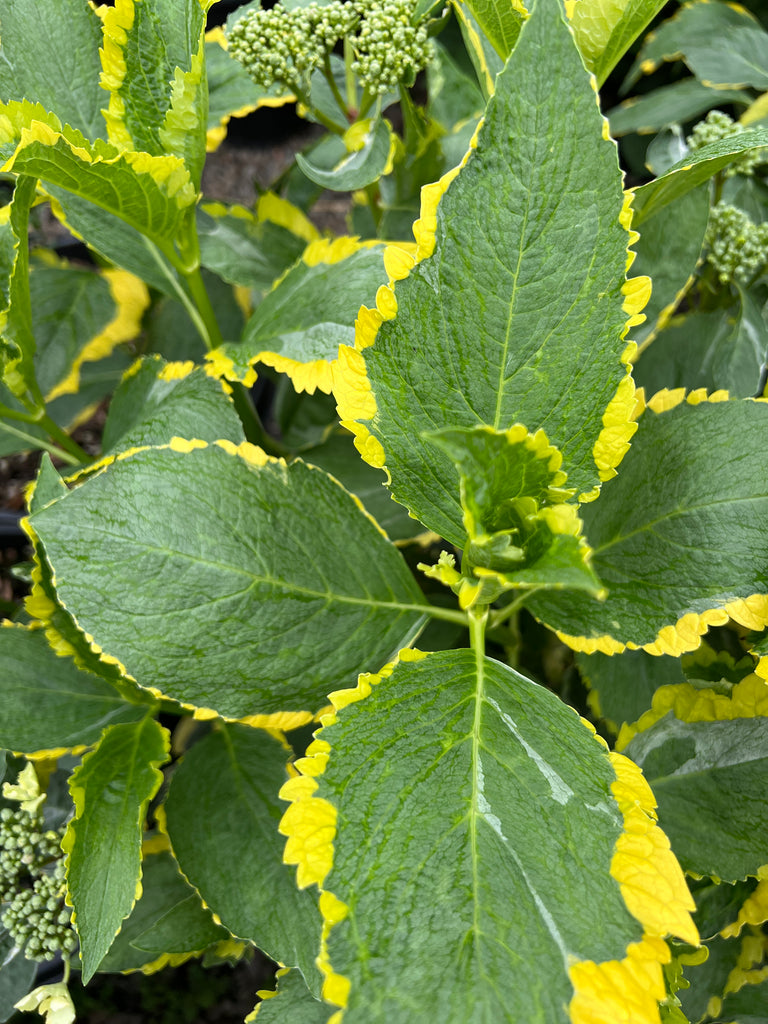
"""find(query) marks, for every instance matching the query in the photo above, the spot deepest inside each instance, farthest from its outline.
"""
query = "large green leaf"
(679, 537)
(697, 22)
(721, 348)
(736, 57)
(169, 921)
(748, 1004)
(476, 830)
(696, 168)
(152, 194)
(300, 324)
(47, 702)
(337, 456)
(668, 251)
(223, 811)
(605, 29)
(111, 790)
(49, 54)
(507, 322)
(292, 1004)
(674, 103)
(710, 780)
(17, 340)
(500, 23)
(249, 618)
(157, 401)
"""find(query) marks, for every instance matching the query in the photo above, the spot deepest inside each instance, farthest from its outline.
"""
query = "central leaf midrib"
(327, 595)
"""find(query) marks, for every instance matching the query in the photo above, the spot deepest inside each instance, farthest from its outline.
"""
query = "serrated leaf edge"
(747, 699)
(650, 879)
(116, 22)
(685, 634)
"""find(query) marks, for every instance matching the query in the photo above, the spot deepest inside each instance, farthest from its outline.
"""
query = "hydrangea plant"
(291, 712)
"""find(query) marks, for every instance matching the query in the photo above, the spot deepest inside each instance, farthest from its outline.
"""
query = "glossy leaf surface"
(489, 338)
(709, 779)
(677, 102)
(356, 169)
(476, 832)
(111, 790)
(223, 811)
(500, 23)
(680, 530)
(47, 702)
(240, 546)
(605, 29)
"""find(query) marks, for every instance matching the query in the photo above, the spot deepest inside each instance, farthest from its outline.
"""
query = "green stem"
(365, 103)
(37, 442)
(330, 79)
(252, 426)
(446, 614)
(477, 620)
(211, 334)
(63, 439)
(502, 614)
(180, 293)
(349, 75)
(326, 122)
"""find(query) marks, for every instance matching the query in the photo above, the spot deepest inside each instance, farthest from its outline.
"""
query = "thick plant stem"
(328, 73)
(477, 620)
(37, 442)
(212, 334)
(252, 425)
(71, 449)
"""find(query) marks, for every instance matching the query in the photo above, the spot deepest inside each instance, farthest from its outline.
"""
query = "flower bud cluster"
(738, 248)
(282, 46)
(32, 886)
(718, 125)
(389, 48)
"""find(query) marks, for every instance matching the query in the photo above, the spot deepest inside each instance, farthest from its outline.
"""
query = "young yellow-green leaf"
(212, 560)
(477, 823)
(153, 194)
(111, 790)
(622, 685)
(696, 168)
(222, 812)
(500, 23)
(720, 348)
(17, 340)
(710, 780)
(47, 703)
(158, 400)
(310, 312)
(251, 249)
(605, 29)
(668, 251)
(507, 322)
(144, 44)
(292, 1003)
(168, 923)
(696, 22)
(356, 169)
(675, 103)
(681, 531)
(49, 54)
